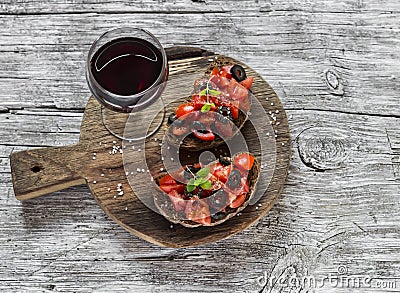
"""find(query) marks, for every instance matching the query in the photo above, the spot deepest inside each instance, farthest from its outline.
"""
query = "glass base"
(137, 125)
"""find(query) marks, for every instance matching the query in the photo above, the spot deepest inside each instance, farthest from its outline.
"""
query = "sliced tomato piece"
(244, 161)
(248, 82)
(234, 106)
(238, 201)
(236, 91)
(167, 180)
(198, 211)
(198, 102)
(206, 135)
(223, 173)
(177, 201)
(225, 74)
(215, 167)
(227, 68)
(214, 72)
(168, 188)
(184, 109)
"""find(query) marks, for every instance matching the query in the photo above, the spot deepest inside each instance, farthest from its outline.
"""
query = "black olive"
(225, 114)
(234, 179)
(238, 73)
(197, 125)
(171, 118)
(224, 161)
(217, 201)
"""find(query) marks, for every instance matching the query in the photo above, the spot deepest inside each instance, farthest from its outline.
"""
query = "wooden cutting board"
(42, 171)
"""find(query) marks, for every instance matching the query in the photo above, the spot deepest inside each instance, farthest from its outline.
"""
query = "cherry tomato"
(197, 211)
(168, 188)
(206, 135)
(223, 173)
(183, 110)
(238, 201)
(177, 201)
(167, 180)
(244, 161)
(248, 82)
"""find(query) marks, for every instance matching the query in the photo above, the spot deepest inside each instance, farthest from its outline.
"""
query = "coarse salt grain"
(172, 226)
(126, 208)
(108, 189)
(172, 159)
(138, 170)
(272, 104)
(143, 171)
(121, 193)
(139, 150)
(102, 175)
(161, 169)
(94, 182)
(119, 184)
(114, 142)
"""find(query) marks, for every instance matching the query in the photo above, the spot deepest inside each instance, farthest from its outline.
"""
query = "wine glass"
(126, 71)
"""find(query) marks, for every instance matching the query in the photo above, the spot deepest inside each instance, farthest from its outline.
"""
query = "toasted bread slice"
(166, 208)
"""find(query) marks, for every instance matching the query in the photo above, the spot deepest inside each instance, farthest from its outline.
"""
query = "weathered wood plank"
(345, 216)
(326, 57)
(313, 60)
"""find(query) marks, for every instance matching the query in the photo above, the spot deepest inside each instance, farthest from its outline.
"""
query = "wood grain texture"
(335, 64)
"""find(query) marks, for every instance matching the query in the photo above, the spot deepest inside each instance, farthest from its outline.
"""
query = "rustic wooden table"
(335, 65)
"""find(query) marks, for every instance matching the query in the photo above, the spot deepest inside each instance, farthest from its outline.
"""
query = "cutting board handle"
(41, 171)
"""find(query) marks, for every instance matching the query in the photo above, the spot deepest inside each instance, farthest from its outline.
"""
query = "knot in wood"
(333, 82)
(323, 148)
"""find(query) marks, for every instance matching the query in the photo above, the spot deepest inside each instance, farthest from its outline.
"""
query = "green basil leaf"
(203, 92)
(203, 172)
(206, 185)
(190, 188)
(191, 181)
(206, 107)
(214, 92)
(200, 181)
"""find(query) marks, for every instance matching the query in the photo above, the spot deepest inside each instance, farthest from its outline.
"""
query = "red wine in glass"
(126, 72)
(126, 66)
